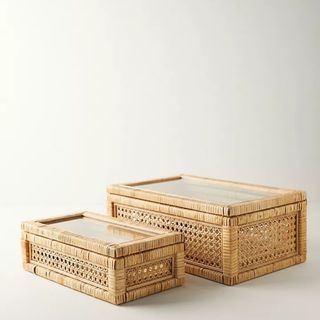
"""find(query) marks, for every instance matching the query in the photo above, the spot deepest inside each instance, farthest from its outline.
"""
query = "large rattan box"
(233, 231)
(102, 257)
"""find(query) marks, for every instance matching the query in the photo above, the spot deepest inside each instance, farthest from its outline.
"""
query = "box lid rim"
(160, 238)
(283, 197)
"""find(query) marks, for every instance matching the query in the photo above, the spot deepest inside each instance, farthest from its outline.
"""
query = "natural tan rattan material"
(225, 243)
(114, 272)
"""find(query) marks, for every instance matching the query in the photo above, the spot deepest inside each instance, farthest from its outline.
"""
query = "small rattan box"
(233, 231)
(103, 257)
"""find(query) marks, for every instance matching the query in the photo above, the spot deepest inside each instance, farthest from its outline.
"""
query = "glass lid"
(100, 230)
(207, 190)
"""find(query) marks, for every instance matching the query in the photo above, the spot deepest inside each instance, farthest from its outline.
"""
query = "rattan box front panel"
(92, 273)
(203, 242)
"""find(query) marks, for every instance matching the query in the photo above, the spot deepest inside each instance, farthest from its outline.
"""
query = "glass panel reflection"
(206, 191)
(99, 230)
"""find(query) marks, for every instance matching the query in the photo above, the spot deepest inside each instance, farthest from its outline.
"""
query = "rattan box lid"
(98, 233)
(220, 197)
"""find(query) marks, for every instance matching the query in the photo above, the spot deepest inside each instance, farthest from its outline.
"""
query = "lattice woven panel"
(149, 272)
(70, 265)
(203, 242)
(267, 241)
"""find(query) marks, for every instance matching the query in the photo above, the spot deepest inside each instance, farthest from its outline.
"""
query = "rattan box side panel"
(203, 241)
(153, 266)
(274, 241)
(268, 240)
(151, 271)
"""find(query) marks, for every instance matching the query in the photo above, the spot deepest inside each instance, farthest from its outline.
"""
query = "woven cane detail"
(149, 272)
(263, 242)
(70, 265)
(203, 242)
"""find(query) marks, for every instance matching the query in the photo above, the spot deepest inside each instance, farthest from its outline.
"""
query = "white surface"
(292, 293)
(98, 92)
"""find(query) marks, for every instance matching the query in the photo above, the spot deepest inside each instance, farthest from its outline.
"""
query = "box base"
(244, 276)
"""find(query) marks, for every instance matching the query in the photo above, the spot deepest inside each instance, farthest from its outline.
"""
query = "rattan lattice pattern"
(149, 272)
(266, 241)
(203, 242)
(70, 265)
